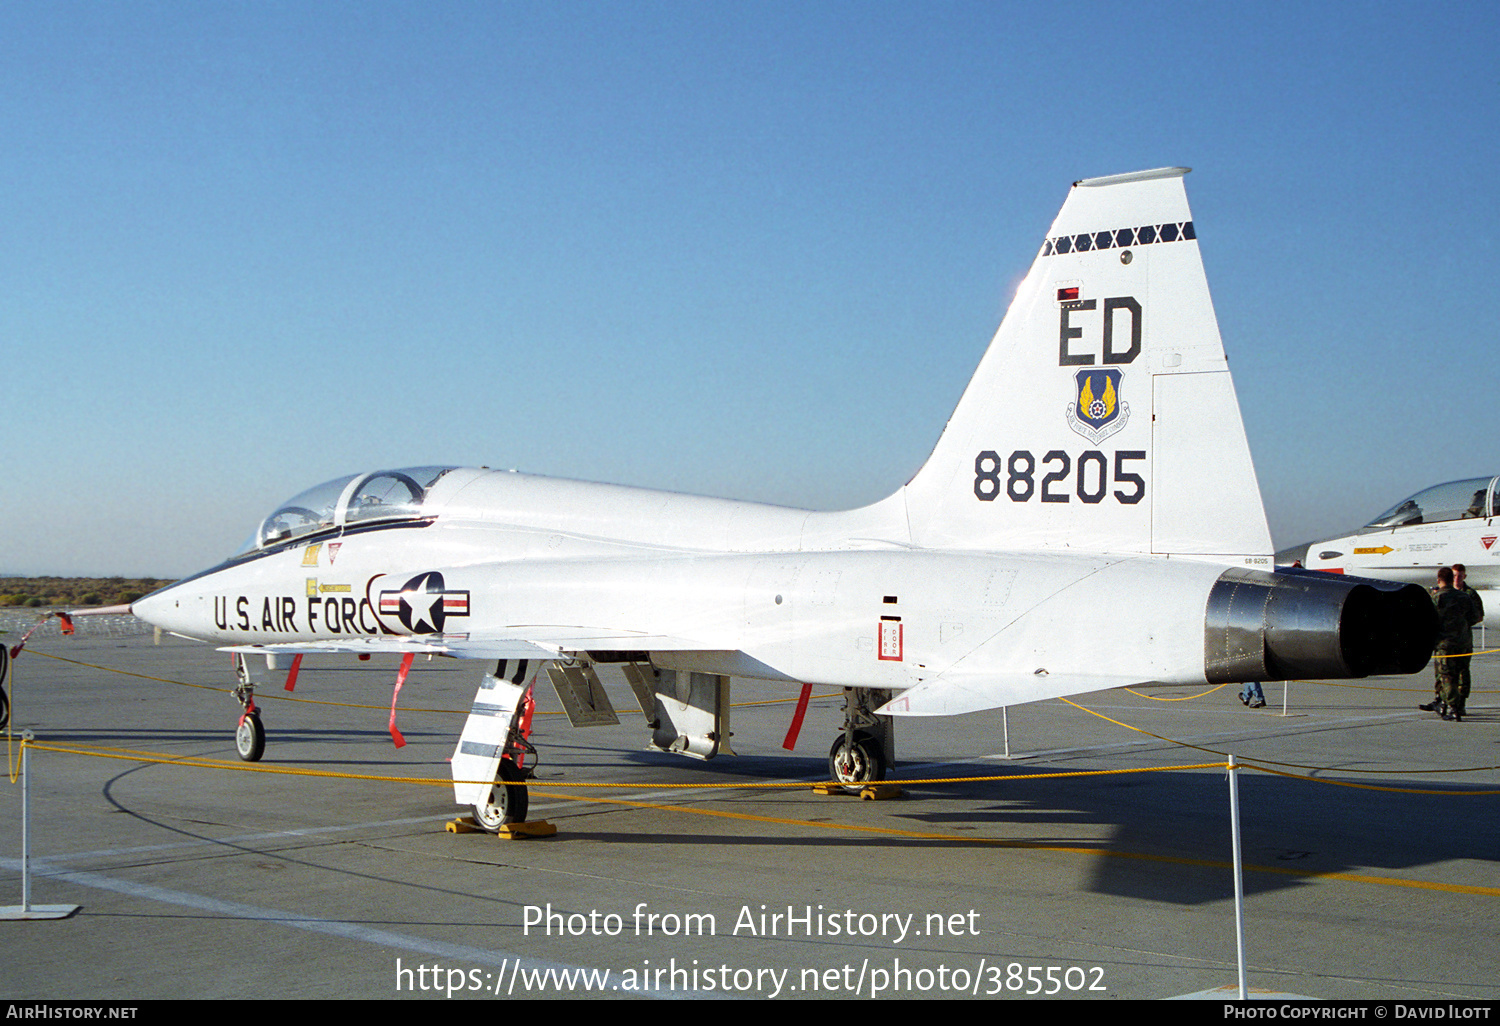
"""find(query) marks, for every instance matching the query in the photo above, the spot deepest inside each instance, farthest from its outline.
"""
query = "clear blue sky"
(742, 249)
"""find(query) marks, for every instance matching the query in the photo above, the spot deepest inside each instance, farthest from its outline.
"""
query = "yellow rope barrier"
(1184, 698)
(1366, 787)
(201, 762)
(205, 762)
(548, 791)
(1273, 762)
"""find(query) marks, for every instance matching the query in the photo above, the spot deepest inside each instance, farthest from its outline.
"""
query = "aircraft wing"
(523, 642)
(459, 647)
(955, 693)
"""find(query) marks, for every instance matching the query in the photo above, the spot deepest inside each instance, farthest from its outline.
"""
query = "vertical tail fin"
(1102, 417)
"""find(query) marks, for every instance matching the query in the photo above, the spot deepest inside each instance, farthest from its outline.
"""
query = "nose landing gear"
(249, 734)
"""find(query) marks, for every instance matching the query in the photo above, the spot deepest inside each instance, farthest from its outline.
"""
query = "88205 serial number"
(1059, 477)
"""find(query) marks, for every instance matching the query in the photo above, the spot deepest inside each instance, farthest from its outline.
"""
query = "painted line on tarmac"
(46, 862)
(503, 960)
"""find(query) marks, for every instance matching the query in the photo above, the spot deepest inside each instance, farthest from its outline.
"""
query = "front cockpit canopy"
(1456, 500)
(384, 495)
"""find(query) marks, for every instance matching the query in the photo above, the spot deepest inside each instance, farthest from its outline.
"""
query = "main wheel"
(4, 708)
(250, 738)
(861, 764)
(506, 801)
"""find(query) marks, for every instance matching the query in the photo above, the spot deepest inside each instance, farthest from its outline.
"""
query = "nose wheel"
(4, 699)
(250, 737)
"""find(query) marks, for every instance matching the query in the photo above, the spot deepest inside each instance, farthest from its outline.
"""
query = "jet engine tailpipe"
(1305, 623)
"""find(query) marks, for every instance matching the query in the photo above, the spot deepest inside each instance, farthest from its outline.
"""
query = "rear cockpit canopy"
(357, 499)
(1456, 500)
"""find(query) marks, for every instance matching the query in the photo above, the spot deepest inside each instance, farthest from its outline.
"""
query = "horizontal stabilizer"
(952, 695)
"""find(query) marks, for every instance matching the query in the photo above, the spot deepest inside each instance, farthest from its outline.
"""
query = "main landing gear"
(856, 759)
(506, 801)
(493, 759)
(865, 749)
(249, 734)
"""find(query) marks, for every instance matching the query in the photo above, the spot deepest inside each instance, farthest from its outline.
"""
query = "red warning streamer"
(528, 707)
(400, 680)
(796, 728)
(291, 675)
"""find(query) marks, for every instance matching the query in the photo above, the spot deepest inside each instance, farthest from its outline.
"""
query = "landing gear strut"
(494, 747)
(865, 748)
(249, 735)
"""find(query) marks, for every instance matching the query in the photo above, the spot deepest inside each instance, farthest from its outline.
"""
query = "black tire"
(863, 764)
(4, 676)
(250, 738)
(506, 801)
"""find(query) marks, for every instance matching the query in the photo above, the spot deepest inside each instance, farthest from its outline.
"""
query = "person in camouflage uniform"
(1455, 612)
(1476, 616)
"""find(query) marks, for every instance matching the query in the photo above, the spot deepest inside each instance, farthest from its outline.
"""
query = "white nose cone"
(162, 608)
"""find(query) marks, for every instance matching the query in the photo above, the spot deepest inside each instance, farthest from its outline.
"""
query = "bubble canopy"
(1455, 500)
(383, 495)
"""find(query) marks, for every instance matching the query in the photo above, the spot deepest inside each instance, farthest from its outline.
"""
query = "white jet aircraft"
(1439, 526)
(1089, 518)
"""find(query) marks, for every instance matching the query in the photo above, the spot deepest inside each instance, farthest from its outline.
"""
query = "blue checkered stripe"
(1120, 238)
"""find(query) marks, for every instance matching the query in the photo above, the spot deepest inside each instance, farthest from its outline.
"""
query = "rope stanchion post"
(26, 910)
(1239, 870)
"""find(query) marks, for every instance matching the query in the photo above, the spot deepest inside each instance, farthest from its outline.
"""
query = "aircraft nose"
(160, 608)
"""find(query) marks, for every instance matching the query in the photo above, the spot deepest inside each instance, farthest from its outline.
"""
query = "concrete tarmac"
(217, 883)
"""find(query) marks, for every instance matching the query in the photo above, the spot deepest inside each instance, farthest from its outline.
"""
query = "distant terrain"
(75, 591)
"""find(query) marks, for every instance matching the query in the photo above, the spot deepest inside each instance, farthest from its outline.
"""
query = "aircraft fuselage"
(870, 613)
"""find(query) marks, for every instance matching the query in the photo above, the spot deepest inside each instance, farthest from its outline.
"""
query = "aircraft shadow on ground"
(1292, 831)
(1168, 834)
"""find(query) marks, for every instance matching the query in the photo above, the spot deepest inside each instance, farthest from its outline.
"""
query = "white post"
(1005, 722)
(25, 821)
(1239, 878)
(25, 909)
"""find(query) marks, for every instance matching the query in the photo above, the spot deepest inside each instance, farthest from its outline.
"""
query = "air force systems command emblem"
(1097, 412)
